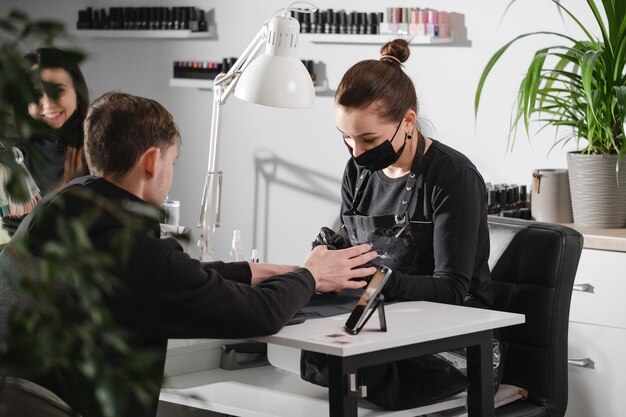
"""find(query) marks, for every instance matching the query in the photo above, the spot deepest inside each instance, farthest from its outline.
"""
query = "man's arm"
(177, 297)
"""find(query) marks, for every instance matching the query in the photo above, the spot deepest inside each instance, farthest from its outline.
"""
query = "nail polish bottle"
(184, 18)
(501, 197)
(145, 20)
(523, 193)
(362, 23)
(315, 21)
(430, 26)
(96, 19)
(492, 204)
(193, 19)
(202, 23)
(516, 197)
(371, 24)
(393, 21)
(435, 22)
(120, 18)
(350, 22)
(177, 24)
(159, 18)
(81, 20)
(444, 25)
(343, 22)
(334, 27)
(329, 21)
(403, 26)
(136, 23)
(165, 18)
(126, 17)
(306, 25)
(129, 18)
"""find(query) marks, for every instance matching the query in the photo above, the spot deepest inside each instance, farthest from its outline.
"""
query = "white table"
(414, 329)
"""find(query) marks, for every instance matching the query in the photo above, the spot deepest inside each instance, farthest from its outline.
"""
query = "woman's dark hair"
(120, 127)
(75, 162)
(381, 80)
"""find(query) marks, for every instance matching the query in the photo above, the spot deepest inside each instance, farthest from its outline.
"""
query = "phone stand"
(380, 306)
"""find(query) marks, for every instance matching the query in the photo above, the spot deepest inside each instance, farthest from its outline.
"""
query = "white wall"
(284, 214)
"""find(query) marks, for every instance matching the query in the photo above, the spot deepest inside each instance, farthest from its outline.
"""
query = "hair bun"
(397, 51)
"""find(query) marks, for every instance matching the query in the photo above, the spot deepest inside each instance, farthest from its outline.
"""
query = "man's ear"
(149, 160)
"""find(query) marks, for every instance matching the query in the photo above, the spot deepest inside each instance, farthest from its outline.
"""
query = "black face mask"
(381, 156)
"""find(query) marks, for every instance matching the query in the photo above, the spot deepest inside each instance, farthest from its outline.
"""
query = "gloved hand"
(328, 237)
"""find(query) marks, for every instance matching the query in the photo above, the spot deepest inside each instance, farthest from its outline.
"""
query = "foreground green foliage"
(64, 329)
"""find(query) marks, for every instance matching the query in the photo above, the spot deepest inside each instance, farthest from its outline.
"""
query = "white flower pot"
(598, 195)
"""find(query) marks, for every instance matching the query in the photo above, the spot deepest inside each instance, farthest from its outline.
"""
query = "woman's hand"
(334, 269)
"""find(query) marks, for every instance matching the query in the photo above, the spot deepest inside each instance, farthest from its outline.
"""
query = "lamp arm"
(229, 80)
(211, 196)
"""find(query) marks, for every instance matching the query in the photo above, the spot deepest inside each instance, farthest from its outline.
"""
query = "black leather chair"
(533, 269)
(19, 397)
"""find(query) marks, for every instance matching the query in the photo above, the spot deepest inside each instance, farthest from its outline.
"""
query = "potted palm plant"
(579, 88)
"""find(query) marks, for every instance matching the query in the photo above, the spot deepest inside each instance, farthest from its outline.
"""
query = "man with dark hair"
(131, 144)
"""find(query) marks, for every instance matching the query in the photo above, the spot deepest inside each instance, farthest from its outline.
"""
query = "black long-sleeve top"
(449, 225)
(165, 293)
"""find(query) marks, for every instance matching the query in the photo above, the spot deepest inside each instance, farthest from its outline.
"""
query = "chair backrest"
(20, 397)
(533, 268)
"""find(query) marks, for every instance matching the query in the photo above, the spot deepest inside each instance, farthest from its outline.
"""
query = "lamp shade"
(277, 77)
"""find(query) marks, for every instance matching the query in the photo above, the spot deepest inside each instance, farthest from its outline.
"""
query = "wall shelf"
(208, 84)
(145, 34)
(192, 83)
(370, 39)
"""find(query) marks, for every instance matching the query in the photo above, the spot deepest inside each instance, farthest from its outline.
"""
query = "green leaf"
(496, 57)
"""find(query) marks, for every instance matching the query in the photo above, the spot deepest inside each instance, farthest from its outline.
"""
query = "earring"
(409, 136)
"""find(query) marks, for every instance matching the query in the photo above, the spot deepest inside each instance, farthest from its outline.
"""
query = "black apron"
(391, 235)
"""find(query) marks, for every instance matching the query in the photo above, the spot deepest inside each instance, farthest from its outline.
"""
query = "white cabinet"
(597, 336)
(597, 390)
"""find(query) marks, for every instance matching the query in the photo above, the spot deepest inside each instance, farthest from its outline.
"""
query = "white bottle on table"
(237, 253)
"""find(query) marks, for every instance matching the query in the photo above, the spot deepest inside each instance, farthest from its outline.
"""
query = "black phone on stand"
(368, 302)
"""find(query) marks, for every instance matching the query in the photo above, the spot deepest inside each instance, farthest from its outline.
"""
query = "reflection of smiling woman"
(56, 156)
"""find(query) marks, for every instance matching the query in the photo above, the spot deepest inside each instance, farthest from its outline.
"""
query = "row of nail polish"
(395, 21)
(338, 21)
(415, 21)
(143, 18)
(208, 70)
(508, 200)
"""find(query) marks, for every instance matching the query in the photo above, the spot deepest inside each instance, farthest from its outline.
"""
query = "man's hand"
(333, 269)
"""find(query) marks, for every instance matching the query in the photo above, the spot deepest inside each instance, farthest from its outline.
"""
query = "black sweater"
(166, 293)
(449, 225)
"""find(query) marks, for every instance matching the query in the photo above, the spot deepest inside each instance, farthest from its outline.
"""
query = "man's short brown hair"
(120, 127)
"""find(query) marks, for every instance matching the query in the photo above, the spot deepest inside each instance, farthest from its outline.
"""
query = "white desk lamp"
(274, 78)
